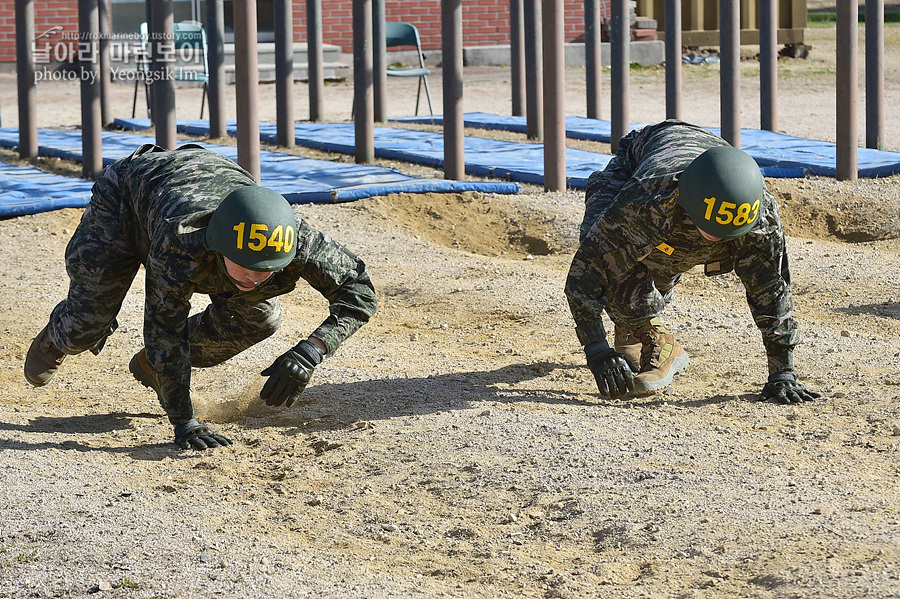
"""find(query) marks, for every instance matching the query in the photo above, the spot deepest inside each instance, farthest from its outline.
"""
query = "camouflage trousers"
(103, 258)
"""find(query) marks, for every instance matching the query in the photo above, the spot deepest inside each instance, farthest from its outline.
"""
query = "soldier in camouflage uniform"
(676, 196)
(198, 223)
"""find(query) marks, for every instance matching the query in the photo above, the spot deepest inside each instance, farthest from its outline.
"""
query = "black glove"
(194, 435)
(289, 374)
(784, 388)
(610, 369)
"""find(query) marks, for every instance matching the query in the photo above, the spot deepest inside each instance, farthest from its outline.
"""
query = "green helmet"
(722, 191)
(255, 228)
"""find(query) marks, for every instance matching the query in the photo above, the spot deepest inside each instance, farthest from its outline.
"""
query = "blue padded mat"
(27, 190)
(300, 180)
(777, 154)
(483, 157)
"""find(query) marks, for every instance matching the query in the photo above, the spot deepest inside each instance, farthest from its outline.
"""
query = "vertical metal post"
(215, 40)
(534, 86)
(106, 116)
(847, 74)
(163, 86)
(768, 64)
(246, 75)
(28, 134)
(284, 73)
(730, 74)
(620, 63)
(673, 59)
(379, 61)
(89, 69)
(875, 74)
(363, 105)
(452, 59)
(316, 60)
(554, 96)
(517, 55)
(593, 63)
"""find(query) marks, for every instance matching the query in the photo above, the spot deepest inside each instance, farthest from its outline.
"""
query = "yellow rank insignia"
(665, 248)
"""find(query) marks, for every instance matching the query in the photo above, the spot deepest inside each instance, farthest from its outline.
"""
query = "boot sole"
(678, 365)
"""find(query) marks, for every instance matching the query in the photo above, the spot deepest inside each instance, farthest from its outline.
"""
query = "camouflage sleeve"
(624, 236)
(761, 262)
(342, 278)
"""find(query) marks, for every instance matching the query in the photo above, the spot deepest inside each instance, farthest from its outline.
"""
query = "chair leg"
(428, 96)
(418, 95)
(134, 102)
(203, 101)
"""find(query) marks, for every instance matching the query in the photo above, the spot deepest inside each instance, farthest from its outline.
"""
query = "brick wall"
(48, 14)
(485, 22)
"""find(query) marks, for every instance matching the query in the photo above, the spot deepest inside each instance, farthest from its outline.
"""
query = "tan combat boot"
(43, 359)
(661, 357)
(628, 344)
(142, 371)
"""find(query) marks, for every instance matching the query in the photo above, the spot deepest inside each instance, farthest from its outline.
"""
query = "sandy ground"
(456, 446)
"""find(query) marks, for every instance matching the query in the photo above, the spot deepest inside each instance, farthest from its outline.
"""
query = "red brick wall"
(485, 22)
(47, 14)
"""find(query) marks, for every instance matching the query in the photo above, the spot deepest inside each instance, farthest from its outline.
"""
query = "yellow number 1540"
(282, 238)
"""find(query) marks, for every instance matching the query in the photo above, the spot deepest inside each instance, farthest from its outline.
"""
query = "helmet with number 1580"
(255, 228)
(723, 192)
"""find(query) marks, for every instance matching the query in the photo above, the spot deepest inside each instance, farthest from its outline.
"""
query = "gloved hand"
(289, 374)
(195, 435)
(610, 369)
(783, 387)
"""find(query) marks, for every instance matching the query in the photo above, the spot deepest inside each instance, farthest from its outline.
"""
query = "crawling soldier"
(198, 223)
(676, 196)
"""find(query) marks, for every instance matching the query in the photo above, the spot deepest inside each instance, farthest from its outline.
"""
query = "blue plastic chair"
(405, 34)
(188, 39)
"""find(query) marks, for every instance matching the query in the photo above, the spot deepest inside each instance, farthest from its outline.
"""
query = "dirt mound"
(470, 222)
(859, 211)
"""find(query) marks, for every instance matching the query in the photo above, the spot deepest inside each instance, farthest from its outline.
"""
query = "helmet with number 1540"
(723, 192)
(255, 228)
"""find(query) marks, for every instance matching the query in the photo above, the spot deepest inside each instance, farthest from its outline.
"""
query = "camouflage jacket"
(167, 198)
(643, 222)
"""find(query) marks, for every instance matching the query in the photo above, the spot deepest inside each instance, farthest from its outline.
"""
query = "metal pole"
(620, 62)
(452, 59)
(593, 63)
(673, 59)
(89, 68)
(534, 86)
(246, 75)
(28, 134)
(730, 40)
(363, 105)
(284, 73)
(379, 61)
(517, 55)
(768, 64)
(847, 74)
(163, 96)
(106, 115)
(316, 60)
(215, 39)
(554, 94)
(875, 74)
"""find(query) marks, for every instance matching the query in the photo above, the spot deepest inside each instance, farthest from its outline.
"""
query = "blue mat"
(483, 157)
(27, 190)
(778, 155)
(300, 180)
